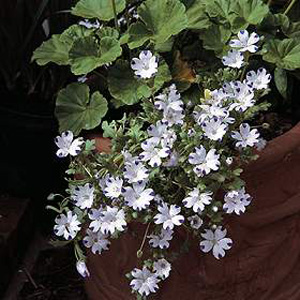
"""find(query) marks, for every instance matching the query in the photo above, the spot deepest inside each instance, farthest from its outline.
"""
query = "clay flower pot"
(263, 263)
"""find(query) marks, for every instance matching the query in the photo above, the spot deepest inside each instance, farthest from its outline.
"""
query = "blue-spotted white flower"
(144, 281)
(135, 171)
(243, 96)
(236, 201)
(146, 65)
(113, 187)
(245, 137)
(216, 241)
(197, 200)
(162, 239)
(68, 145)
(245, 42)
(97, 241)
(138, 196)
(162, 268)
(258, 80)
(67, 225)
(169, 217)
(214, 129)
(108, 220)
(204, 161)
(195, 221)
(88, 24)
(83, 196)
(233, 59)
(153, 153)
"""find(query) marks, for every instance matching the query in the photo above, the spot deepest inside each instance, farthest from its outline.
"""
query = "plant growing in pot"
(173, 170)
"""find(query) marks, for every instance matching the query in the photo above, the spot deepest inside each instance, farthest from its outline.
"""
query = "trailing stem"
(289, 7)
(113, 3)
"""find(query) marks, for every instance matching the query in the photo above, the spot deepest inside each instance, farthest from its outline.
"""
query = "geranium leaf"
(100, 9)
(125, 87)
(284, 53)
(159, 21)
(108, 31)
(215, 38)
(53, 50)
(280, 78)
(197, 18)
(76, 110)
(252, 11)
(86, 55)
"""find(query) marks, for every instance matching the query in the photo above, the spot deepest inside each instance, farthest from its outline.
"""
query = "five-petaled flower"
(67, 144)
(197, 200)
(216, 241)
(233, 59)
(245, 137)
(67, 225)
(162, 239)
(245, 42)
(97, 241)
(236, 201)
(145, 66)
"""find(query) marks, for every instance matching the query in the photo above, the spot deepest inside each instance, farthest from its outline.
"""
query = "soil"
(54, 277)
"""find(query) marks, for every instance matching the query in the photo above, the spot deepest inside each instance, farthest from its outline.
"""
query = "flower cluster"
(169, 166)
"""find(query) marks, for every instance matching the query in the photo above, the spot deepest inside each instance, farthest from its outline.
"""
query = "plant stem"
(289, 7)
(246, 65)
(144, 238)
(113, 3)
(269, 2)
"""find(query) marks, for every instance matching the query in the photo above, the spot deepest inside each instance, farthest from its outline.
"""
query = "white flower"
(243, 96)
(205, 162)
(245, 137)
(146, 65)
(152, 153)
(88, 24)
(195, 221)
(233, 59)
(245, 42)
(214, 129)
(197, 200)
(169, 216)
(236, 201)
(135, 171)
(96, 240)
(67, 145)
(113, 187)
(83, 196)
(261, 144)
(215, 241)
(144, 282)
(173, 160)
(162, 268)
(259, 80)
(82, 79)
(162, 240)
(108, 220)
(82, 268)
(171, 105)
(158, 198)
(95, 216)
(67, 225)
(137, 196)
(229, 161)
(170, 100)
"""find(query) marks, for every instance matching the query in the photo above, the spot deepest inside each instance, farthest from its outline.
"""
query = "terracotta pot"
(264, 262)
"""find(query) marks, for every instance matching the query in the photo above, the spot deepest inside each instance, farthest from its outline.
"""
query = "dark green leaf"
(100, 9)
(75, 109)
(280, 78)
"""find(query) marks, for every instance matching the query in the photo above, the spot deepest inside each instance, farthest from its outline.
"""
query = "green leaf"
(74, 33)
(252, 11)
(284, 53)
(197, 18)
(109, 129)
(100, 9)
(159, 21)
(53, 50)
(280, 78)
(86, 55)
(76, 110)
(124, 86)
(215, 38)
(108, 31)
